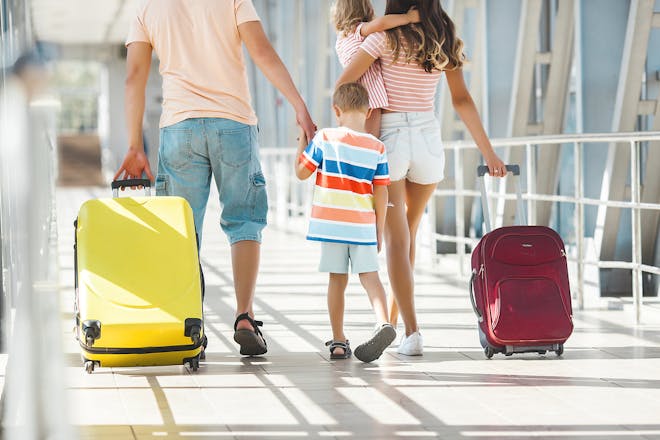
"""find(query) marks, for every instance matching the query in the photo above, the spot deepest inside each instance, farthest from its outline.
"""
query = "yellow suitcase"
(139, 285)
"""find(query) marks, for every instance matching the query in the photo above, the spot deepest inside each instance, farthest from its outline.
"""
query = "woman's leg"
(397, 240)
(417, 197)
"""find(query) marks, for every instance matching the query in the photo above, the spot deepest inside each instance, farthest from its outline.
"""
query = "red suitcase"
(519, 287)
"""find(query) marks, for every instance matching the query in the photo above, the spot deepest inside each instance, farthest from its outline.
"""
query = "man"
(208, 125)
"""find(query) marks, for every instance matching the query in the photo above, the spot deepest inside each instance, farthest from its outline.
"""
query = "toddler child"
(354, 21)
(348, 213)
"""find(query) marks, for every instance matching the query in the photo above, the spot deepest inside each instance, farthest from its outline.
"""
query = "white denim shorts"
(414, 146)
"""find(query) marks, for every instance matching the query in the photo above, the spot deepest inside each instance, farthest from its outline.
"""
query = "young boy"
(348, 213)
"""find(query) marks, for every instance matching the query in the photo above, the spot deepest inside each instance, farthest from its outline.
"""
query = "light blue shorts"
(193, 150)
(335, 258)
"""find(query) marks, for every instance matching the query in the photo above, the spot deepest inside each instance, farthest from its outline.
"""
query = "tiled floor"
(606, 385)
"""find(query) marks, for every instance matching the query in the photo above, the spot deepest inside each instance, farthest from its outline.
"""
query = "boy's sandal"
(344, 345)
(252, 342)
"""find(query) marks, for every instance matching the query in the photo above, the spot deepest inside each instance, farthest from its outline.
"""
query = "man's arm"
(138, 64)
(302, 172)
(380, 206)
(389, 21)
(265, 57)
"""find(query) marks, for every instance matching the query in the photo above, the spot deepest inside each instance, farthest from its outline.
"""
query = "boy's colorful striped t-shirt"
(349, 163)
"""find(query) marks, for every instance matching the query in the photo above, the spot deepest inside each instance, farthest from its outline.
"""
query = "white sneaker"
(412, 345)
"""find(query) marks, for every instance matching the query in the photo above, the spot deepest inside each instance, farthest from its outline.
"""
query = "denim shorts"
(414, 146)
(335, 258)
(195, 149)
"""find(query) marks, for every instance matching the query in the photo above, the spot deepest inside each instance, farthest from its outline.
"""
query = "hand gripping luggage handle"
(117, 184)
(482, 170)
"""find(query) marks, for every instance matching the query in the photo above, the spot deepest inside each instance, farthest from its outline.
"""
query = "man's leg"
(241, 186)
(183, 167)
(245, 264)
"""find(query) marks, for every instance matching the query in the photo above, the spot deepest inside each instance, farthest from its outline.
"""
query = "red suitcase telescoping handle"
(482, 170)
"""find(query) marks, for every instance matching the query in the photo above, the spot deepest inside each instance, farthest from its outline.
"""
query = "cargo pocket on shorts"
(258, 197)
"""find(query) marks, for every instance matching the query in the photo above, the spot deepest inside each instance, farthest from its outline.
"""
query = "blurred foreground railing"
(33, 402)
(290, 201)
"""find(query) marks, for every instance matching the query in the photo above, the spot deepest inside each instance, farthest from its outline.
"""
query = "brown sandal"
(252, 342)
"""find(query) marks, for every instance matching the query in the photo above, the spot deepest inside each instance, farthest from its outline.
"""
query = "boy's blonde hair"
(351, 97)
(347, 14)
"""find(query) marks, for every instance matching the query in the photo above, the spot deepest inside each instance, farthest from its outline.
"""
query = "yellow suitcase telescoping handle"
(130, 183)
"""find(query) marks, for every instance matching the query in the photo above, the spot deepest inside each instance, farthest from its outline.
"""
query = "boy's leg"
(364, 260)
(376, 292)
(334, 260)
(384, 334)
(336, 287)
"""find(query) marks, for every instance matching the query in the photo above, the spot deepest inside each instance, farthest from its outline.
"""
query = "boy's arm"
(389, 21)
(302, 172)
(380, 205)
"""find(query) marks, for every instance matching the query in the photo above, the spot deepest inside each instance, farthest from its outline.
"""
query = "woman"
(413, 58)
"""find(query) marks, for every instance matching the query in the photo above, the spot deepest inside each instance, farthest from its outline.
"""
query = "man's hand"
(135, 163)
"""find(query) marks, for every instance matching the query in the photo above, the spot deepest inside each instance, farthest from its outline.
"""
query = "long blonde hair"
(432, 43)
(347, 14)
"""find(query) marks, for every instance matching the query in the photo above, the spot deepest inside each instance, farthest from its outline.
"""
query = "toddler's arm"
(389, 21)
(302, 172)
(380, 205)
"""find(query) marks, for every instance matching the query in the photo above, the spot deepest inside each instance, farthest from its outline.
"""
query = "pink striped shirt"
(409, 88)
(346, 47)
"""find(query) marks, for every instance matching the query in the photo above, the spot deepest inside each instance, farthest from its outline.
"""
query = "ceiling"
(82, 22)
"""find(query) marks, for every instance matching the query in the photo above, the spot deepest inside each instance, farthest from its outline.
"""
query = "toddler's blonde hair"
(347, 14)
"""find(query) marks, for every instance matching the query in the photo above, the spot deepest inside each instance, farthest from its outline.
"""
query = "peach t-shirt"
(201, 56)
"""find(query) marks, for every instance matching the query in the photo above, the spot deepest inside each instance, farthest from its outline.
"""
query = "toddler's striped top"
(349, 163)
(372, 80)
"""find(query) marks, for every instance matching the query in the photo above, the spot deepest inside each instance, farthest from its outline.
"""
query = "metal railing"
(33, 403)
(290, 199)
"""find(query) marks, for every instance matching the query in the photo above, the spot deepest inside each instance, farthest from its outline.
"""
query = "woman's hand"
(496, 167)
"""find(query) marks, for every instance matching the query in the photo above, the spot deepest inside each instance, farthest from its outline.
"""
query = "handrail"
(633, 136)
(293, 198)
(637, 136)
